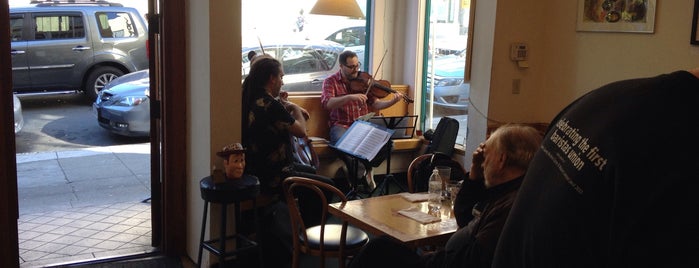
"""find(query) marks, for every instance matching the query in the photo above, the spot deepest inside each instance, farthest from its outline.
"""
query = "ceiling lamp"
(347, 8)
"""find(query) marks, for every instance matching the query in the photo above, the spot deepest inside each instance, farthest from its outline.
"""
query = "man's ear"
(502, 160)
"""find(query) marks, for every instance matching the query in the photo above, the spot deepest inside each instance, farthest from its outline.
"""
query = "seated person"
(346, 106)
(498, 168)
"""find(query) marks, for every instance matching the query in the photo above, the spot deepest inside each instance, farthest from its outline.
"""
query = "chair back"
(421, 167)
(313, 239)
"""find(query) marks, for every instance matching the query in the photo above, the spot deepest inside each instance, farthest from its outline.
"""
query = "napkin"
(419, 216)
(416, 197)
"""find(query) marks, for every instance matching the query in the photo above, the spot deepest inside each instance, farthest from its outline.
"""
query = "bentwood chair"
(326, 239)
(420, 169)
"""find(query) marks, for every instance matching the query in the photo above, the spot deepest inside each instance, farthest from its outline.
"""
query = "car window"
(16, 24)
(59, 27)
(296, 61)
(116, 25)
(349, 37)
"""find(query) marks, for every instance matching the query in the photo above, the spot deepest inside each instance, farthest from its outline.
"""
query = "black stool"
(226, 194)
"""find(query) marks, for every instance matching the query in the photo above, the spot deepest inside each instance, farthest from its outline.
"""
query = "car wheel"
(99, 78)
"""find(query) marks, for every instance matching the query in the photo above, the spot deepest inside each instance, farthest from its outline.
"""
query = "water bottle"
(435, 191)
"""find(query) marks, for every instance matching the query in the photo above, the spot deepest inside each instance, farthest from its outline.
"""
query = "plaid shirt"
(345, 115)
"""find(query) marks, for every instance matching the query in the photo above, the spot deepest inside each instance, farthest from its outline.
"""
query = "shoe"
(370, 180)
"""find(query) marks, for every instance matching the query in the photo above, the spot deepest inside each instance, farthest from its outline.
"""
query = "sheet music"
(364, 139)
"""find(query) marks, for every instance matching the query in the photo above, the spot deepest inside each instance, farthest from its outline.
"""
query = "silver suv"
(75, 46)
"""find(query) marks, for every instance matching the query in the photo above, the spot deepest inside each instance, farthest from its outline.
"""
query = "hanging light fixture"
(347, 8)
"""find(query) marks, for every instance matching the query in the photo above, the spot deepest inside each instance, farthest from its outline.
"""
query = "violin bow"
(371, 81)
(261, 47)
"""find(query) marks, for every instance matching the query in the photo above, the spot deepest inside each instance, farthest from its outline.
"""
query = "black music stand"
(404, 127)
(359, 143)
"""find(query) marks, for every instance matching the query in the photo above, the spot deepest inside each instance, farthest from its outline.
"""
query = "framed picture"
(695, 26)
(633, 16)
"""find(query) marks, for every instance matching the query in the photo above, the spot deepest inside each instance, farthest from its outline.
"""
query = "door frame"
(168, 155)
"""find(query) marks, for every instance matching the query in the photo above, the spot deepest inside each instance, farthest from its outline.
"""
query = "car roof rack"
(48, 3)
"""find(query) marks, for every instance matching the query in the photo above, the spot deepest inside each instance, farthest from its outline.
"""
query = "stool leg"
(257, 233)
(237, 224)
(203, 230)
(224, 218)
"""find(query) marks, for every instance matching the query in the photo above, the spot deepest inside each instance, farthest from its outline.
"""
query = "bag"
(444, 137)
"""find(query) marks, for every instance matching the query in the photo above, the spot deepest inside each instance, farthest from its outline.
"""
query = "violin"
(364, 83)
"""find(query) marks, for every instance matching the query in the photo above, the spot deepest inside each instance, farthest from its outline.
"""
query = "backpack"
(443, 138)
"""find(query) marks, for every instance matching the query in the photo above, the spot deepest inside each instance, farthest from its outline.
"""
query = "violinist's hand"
(397, 96)
(283, 96)
(305, 113)
(359, 97)
(477, 164)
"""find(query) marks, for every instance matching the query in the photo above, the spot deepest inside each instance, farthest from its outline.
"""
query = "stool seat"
(228, 192)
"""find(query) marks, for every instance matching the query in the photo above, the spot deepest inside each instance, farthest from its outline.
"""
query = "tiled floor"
(83, 234)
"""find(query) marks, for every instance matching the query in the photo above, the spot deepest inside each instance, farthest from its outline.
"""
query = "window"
(59, 27)
(308, 45)
(116, 25)
(16, 26)
(446, 90)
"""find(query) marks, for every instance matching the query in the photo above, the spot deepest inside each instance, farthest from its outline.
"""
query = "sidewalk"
(83, 204)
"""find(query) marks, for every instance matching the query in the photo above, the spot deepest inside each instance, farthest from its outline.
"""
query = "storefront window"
(446, 91)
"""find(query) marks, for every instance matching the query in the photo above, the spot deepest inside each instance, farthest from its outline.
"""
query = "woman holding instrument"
(346, 105)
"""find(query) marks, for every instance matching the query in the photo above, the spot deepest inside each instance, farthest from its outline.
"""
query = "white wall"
(566, 63)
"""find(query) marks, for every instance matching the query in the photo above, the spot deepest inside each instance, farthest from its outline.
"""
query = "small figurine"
(234, 166)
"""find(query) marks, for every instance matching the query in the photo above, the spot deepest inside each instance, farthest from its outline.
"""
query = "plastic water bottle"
(435, 191)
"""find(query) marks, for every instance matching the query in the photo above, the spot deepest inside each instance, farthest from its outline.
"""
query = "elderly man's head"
(508, 151)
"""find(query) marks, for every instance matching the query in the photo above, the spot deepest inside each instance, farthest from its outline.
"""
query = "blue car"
(123, 106)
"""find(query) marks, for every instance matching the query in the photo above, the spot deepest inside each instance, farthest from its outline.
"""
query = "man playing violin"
(346, 105)
(267, 125)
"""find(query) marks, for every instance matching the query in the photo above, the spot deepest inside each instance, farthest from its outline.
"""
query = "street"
(61, 122)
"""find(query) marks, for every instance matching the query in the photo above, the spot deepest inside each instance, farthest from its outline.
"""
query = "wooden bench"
(404, 150)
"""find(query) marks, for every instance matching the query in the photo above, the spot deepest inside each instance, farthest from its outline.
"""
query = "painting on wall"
(634, 16)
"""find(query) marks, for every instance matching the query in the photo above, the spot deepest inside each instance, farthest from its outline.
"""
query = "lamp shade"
(347, 8)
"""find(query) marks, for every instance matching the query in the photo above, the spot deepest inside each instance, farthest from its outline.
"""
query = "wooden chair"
(325, 240)
(418, 182)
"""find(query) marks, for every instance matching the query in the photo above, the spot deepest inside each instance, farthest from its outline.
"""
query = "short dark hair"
(251, 54)
(345, 55)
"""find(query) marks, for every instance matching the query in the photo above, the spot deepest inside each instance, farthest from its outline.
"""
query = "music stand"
(404, 127)
(363, 141)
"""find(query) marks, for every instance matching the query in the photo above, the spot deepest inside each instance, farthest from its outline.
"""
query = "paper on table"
(419, 216)
(416, 197)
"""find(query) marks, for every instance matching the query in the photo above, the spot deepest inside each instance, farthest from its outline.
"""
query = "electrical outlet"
(516, 83)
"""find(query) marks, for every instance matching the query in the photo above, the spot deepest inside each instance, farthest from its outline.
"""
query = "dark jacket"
(474, 245)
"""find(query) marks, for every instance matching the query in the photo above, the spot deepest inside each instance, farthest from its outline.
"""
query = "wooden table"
(379, 216)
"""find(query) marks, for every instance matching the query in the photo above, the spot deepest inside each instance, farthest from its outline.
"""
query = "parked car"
(352, 37)
(305, 63)
(123, 107)
(58, 46)
(450, 91)
(351, 34)
(19, 119)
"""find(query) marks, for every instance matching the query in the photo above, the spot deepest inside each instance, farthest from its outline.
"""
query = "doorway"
(169, 240)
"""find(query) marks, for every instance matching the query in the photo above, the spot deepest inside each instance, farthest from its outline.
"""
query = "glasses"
(359, 64)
